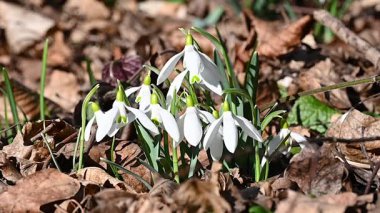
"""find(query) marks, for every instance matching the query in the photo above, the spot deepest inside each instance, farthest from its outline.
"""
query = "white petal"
(145, 95)
(114, 129)
(87, 130)
(230, 132)
(216, 148)
(274, 144)
(104, 121)
(144, 120)
(155, 113)
(170, 124)
(212, 131)
(120, 107)
(248, 128)
(301, 140)
(169, 67)
(180, 123)
(131, 90)
(175, 86)
(206, 116)
(210, 75)
(192, 127)
(192, 61)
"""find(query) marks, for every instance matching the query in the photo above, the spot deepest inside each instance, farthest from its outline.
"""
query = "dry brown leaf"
(324, 74)
(200, 196)
(89, 9)
(63, 88)
(356, 125)
(22, 27)
(8, 170)
(38, 189)
(299, 203)
(274, 43)
(102, 178)
(59, 53)
(311, 170)
(163, 8)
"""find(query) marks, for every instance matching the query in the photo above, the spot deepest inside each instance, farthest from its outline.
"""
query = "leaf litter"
(331, 174)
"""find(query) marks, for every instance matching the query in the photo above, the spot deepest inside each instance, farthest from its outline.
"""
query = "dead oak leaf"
(312, 170)
(274, 43)
(38, 189)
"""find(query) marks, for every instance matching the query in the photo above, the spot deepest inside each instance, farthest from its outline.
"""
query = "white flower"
(100, 119)
(276, 142)
(190, 124)
(144, 94)
(200, 67)
(283, 143)
(226, 127)
(162, 116)
(119, 116)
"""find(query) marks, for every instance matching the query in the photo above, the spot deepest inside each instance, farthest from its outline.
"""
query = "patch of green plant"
(310, 112)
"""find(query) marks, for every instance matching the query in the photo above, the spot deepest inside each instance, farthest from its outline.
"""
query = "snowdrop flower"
(101, 120)
(119, 116)
(283, 142)
(200, 67)
(190, 124)
(229, 132)
(285, 133)
(143, 96)
(162, 116)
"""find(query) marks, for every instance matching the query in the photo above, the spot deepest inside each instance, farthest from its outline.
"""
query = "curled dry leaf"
(102, 178)
(274, 43)
(312, 170)
(38, 189)
(8, 170)
(356, 125)
(22, 27)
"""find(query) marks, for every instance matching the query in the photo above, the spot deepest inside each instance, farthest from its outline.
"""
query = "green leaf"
(310, 112)
(211, 19)
(210, 37)
(252, 77)
(150, 146)
(270, 117)
(258, 209)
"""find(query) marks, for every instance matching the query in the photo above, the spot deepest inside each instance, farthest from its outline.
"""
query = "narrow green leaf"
(43, 80)
(11, 99)
(252, 76)
(90, 73)
(270, 117)
(210, 37)
(138, 177)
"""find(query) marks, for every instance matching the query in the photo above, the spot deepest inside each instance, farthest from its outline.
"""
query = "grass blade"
(43, 80)
(11, 99)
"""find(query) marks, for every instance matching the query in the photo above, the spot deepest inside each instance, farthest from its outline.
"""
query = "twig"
(374, 174)
(346, 35)
(344, 140)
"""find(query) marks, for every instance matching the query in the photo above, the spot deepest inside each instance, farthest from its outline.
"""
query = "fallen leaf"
(86, 8)
(163, 8)
(63, 89)
(102, 178)
(38, 189)
(275, 42)
(8, 170)
(356, 125)
(324, 74)
(22, 27)
(200, 196)
(311, 170)
(299, 203)
(59, 53)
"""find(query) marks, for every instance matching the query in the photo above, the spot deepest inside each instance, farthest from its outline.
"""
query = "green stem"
(84, 120)
(112, 155)
(175, 164)
(76, 149)
(166, 145)
(90, 73)
(11, 99)
(43, 80)
(257, 163)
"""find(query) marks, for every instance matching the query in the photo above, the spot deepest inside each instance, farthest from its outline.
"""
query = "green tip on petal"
(189, 101)
(154, 99)
(189, 39)
(195, 79)
(226, 106)
(215, 113)
(95, 106)
(147, 80)
(119, 95)
(122, 119)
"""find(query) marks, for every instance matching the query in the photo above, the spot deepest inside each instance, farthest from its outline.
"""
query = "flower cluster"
(180, 115)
